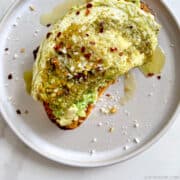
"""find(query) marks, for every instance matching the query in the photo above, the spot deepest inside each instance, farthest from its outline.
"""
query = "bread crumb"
(26, 111)
(22, 50)
(31, 7)
(111, 129)
(113, 110)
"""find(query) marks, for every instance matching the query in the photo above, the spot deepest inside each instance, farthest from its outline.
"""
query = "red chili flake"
(83, 49)
(108, 95)
(87, 12)
(101, 30)
(10, 76)
(92, 42)
(78, 12)
(79, 75)
(35, 52)
(18, 111)
(113, 49)
(48, 25)
(99, 68)
(89, 5)
(6, 49)
(99, 61)
(59, 34)
(57, 47)
(150, 74)
(121, 53)
(68, 55)
(48, 35)
(54, 61)
(158, 77)
(87, 56)
(60, 53)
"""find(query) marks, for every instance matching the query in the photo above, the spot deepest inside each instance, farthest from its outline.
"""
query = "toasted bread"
(90, 107)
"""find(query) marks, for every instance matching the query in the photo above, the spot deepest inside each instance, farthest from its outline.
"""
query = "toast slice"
(90, 107)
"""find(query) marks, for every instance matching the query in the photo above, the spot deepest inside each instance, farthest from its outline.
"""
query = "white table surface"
(160, 162)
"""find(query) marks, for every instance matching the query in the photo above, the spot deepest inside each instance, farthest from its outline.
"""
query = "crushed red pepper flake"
(78, 12)
(10, 76)
(150, 74)
(48, 25)
(92, 42)
(35, 52)
(158, 77)
(80, 75)
(18, 111)
(59, 34)
(101, 30)
(60, 53)
(89, 5)
(57, 47)
(48, 35)
(55, 61)
(113, 49)
(108, 95)
(68, 55)
(99, 61)
(87, 56)
(87, 12)
(83, 49)
(121, 54)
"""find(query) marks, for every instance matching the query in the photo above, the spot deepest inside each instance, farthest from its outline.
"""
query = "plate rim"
(49, 156)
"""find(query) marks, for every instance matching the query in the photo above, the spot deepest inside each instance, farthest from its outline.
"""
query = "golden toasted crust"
(90, 107)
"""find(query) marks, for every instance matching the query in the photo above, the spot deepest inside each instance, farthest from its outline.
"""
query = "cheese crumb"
(22, 50)
(31, 8)
(136, 140)
(136, 125)
(15, 56)
(111, 130)
(126, 148)
(94, 140)
(100, 124)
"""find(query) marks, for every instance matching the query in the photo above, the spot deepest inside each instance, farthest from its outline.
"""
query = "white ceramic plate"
(153, 108)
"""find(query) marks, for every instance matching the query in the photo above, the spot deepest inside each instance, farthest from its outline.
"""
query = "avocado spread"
(90, 47)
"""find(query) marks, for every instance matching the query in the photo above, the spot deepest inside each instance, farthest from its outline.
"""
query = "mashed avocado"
(90, 47)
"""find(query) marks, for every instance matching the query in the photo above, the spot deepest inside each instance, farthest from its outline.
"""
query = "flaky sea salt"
(136, 140)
